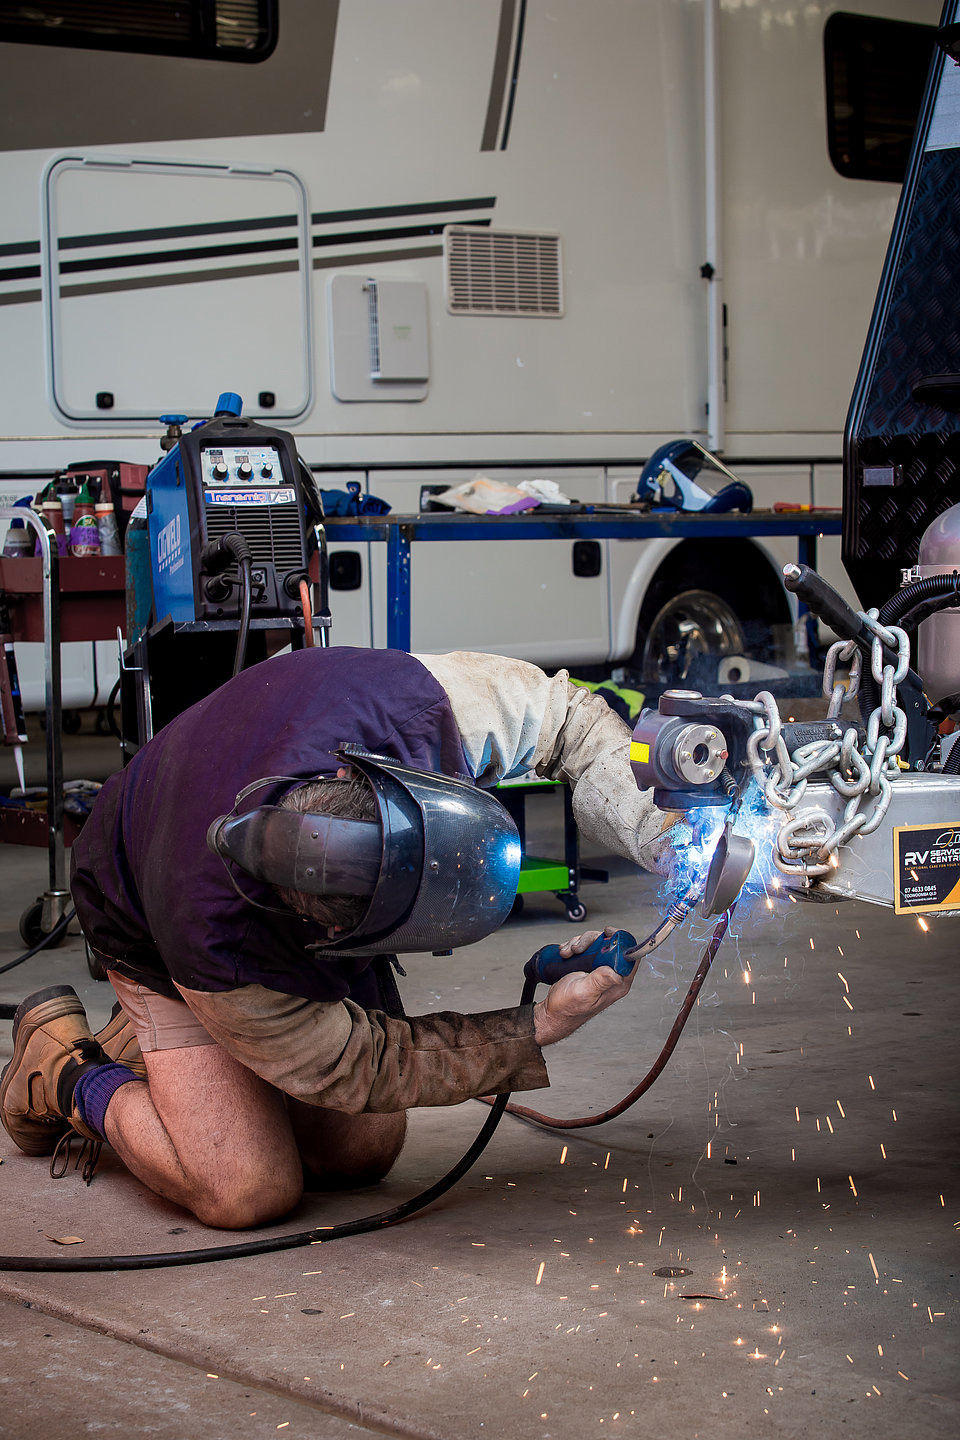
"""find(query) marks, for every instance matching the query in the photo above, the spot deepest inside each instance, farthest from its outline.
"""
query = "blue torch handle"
(547, 966)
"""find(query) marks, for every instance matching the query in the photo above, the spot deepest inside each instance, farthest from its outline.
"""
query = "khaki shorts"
(164, 1024)
(160, 1023)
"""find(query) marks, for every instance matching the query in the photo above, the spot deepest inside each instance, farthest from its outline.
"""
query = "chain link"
(808, 840)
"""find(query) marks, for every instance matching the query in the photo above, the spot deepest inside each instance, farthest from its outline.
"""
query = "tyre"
(577, 911)
(697, 612)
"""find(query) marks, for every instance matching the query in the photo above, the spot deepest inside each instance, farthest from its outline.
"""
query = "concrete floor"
(767, 1243)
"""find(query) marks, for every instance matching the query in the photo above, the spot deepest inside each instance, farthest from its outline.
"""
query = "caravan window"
(876, 71)
(244, 30)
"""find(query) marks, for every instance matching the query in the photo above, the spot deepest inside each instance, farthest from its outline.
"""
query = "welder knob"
(220, 471)
(266, 470)
(245, 470)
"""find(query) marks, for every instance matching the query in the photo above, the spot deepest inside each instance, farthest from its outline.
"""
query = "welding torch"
(730, 865)
(620, 950)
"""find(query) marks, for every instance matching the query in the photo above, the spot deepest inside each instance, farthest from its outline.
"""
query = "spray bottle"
(84, 539)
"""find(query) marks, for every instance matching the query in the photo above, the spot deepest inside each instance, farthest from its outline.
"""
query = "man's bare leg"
(340, 1151)
(208, 1134)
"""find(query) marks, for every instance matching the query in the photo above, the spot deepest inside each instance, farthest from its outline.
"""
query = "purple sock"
(95, 1089)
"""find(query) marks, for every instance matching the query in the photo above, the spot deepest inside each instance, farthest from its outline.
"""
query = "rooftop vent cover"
(502, 272)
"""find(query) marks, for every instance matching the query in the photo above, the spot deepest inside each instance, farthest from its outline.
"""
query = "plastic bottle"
(84, 539)
(52, 512)
(19, 541)
(67, 492)
(107, 529)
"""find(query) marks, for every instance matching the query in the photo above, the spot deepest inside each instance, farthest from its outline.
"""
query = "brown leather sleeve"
(345, 1058)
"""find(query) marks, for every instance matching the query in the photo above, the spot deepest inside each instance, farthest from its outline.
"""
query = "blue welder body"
(228, 476)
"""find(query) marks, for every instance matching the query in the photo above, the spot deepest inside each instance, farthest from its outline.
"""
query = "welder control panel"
(241, 465)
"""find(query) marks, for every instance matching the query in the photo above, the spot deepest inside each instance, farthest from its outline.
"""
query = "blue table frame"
(399, 532)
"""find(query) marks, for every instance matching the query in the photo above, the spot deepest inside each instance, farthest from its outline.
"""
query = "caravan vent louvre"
(502, 272)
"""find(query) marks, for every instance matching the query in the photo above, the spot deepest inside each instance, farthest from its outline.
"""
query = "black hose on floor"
(7, 1012)
(271, 1243)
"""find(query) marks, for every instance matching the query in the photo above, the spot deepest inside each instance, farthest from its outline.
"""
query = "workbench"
(400, 532)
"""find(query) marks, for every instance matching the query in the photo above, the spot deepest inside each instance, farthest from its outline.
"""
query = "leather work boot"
(52, 1047)
(118, 1040)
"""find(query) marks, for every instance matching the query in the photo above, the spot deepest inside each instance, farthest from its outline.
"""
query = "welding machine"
(232, 521)
(230, 476)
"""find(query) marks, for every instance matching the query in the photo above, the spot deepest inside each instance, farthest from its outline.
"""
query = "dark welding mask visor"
(440, 866)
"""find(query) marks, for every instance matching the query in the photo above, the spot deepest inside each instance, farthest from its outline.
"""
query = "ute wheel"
(695, 614)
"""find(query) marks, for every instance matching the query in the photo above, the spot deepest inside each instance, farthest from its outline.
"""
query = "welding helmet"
(439, 866)
(682, 475)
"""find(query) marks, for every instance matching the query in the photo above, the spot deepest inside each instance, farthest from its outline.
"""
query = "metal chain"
(809, 839)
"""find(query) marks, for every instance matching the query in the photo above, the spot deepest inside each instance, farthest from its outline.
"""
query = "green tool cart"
(562, 877)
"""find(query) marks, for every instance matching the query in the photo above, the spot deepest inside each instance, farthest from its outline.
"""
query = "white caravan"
(528, 238)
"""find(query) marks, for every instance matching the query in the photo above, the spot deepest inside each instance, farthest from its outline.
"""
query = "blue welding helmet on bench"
(682, 475)
(439, 866)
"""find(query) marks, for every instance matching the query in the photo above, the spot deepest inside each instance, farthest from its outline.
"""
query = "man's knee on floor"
(251, 1199)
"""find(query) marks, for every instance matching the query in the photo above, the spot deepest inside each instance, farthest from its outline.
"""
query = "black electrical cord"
(385, 1218)
(272, 1243)
(536, 1117)
(246, 601)
(49, 939)
(215, 557)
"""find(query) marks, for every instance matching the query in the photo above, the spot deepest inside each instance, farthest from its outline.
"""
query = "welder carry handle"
(547, 966)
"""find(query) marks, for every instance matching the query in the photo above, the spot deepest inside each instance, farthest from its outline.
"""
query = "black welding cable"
(670, 1044)
(49, 939)
(271, 1243)
(324, 1234)
(244, 563)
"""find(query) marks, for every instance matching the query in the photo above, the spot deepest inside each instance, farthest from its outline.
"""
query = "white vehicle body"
(173, 228)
